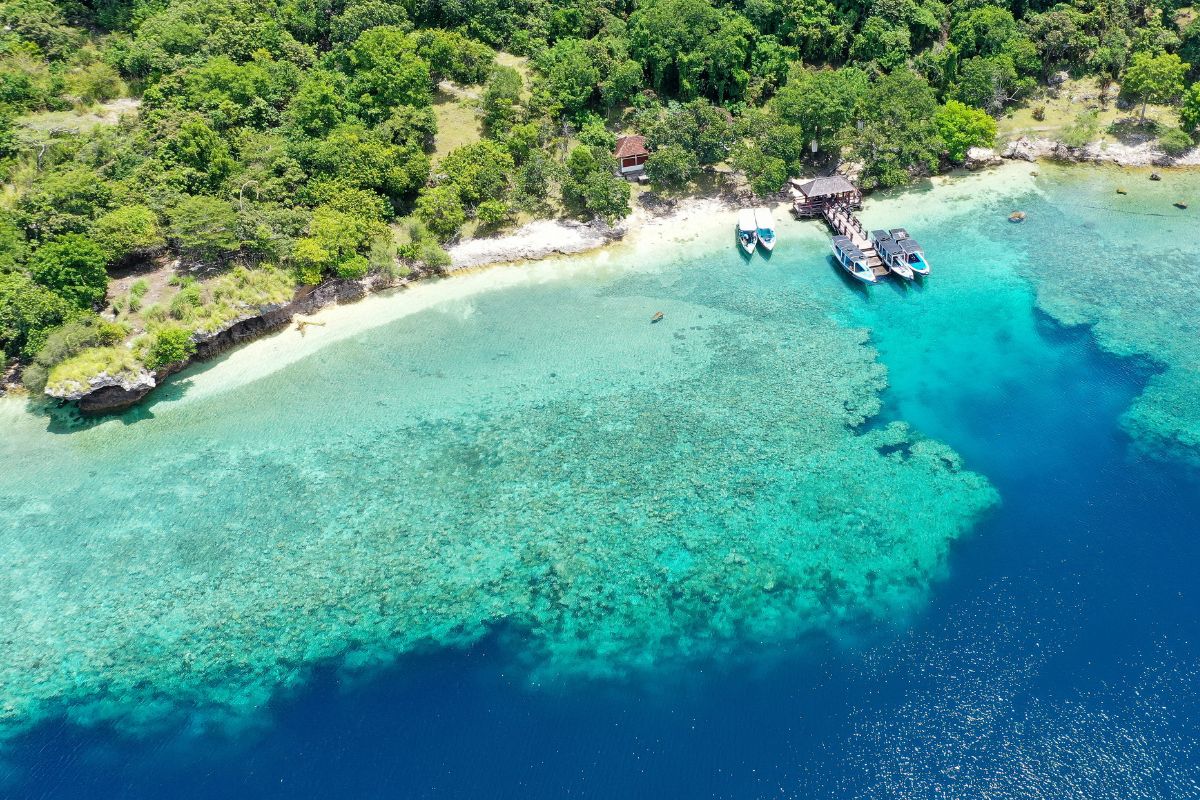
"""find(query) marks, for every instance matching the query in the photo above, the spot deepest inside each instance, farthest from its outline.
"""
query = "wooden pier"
(841, 218)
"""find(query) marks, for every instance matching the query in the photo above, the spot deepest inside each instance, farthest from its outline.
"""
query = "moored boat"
(852, 259)
(765, 225)
(747, 231)
(914, 255)
(891, 254)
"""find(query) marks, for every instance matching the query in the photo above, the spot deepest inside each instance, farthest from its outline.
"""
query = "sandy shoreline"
(563, 237)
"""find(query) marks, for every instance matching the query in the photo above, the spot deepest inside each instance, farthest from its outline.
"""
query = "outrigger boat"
(766, 228)
(852, 259)
(747, 231)
(891, 254)
(914, 256)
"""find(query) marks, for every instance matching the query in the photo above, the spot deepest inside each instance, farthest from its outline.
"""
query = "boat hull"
(867, 277)
(766, 244)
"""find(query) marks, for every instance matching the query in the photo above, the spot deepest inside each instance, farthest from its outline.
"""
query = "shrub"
(1039, 113)
(1174, 142)
(1083, 130)
(440, 209)
(169, 345)
(352, 268)
(65, 342)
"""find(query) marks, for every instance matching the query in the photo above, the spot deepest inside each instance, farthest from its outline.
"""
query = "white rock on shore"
(1142, 154)
(534, 240)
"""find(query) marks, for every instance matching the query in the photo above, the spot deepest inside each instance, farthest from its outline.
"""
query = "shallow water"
(520, 542)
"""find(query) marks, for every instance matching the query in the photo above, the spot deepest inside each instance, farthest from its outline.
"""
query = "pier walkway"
(844, 223)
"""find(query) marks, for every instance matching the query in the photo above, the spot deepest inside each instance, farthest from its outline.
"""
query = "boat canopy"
(746, 222)
(762, 216)
(880, 235)
(910, 246)
(899, 233)
(889, 247)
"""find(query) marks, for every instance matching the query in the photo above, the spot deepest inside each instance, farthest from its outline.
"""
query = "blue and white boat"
(891, 254)
(914, 256)
(747, 231)
(765, 224)
(852, 259)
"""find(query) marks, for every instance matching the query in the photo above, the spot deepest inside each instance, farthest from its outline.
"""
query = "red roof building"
(631, 154)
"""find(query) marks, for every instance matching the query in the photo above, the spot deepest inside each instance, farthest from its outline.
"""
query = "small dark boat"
(1180, 204)
(658, 317)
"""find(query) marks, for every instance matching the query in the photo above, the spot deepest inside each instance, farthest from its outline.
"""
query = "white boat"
(852, 259)
(747, 231)
(891, 254)
(914, 255)
(766, 228)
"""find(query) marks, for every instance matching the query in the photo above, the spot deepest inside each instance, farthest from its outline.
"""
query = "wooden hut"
(809, 198)
(631, 155)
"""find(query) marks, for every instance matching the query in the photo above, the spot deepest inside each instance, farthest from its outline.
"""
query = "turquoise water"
(790, 475)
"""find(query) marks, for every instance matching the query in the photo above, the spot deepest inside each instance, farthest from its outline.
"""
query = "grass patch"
(208, 307)
(1061, 113)
(41, 126)
(458, 124)
(73, 374)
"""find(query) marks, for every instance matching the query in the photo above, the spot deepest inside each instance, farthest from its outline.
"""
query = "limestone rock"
(981, 157)
(106, 393)
(1023, 149)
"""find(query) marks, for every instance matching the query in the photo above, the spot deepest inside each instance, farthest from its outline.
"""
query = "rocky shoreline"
(108, 394)
(1144, 154)
(536, 240)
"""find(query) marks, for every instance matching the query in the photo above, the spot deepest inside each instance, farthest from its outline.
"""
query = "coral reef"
(708, 486)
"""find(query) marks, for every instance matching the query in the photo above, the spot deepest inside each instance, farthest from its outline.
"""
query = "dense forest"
(169, 164)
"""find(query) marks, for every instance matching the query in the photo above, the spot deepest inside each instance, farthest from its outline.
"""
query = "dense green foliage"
(302, 138)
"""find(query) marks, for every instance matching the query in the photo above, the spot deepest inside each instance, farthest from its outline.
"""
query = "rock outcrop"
(982, 157)
(108, 394)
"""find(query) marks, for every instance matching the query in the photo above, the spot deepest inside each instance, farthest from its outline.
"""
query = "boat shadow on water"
(852, 283)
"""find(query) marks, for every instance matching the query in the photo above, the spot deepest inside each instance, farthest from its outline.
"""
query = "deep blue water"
(1078, 591)
(1057, 659)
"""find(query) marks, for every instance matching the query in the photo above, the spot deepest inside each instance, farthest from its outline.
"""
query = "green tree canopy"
(205, 228)
(386, 71)
(591, 186)
(672, 167)
(481, 171)
(127, 230)
(28, 311)
(823, 103)
(440, 208)
(962, 128)
(1154, 79)
(73, 267)
(898, 140)
(692, 47)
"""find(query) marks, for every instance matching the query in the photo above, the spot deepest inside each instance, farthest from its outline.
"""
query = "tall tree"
(1154, 79)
